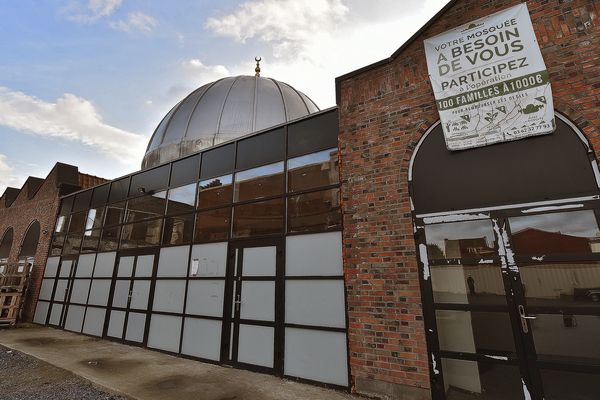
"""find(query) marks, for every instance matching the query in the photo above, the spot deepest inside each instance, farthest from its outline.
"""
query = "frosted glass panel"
(255, 345)
(168, 296)
(105, 264)
(85, 266)
(46, 289)
(74, 320)
(65, 269)
(79, 294)
(136, 325)
(51, 267)
(258, 301)
(61, 287)
(316, 355)
(94, 321)
(205, 297)
(125, 267)
(55, 314)
(318, 255)
(99, 292)
(202, 338)
(208, 260)
(315, 302)
(115, 324)
(173, 261)
(41, 312)
(164, 333)
(259, 261)
(139, 295)
(121, 293)
(144, 266)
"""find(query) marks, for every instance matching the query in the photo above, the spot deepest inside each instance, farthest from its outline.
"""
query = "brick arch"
(30, 241)
(6, 247)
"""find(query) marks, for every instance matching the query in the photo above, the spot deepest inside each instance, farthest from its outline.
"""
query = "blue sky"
(85, 82)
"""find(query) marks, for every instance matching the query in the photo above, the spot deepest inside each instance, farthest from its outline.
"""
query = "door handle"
(524, 317)
(237, 302)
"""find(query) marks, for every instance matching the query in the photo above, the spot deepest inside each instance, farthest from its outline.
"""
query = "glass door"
(62, 290)
(253, 313)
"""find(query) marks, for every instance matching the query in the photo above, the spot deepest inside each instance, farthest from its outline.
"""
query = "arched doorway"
(30, 242)
(509, 253)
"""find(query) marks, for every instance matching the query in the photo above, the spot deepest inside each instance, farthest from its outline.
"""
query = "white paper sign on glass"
(490, 81)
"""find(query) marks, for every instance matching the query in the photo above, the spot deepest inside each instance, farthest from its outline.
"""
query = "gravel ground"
(26, 378)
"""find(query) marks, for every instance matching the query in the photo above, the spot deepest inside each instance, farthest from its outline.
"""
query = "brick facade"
(384, 110)
(38, 200)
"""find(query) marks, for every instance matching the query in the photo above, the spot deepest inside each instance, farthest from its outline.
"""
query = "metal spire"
(257, 69)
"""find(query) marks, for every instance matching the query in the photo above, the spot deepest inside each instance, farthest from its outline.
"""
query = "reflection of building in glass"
(467, 248)
(537, 241)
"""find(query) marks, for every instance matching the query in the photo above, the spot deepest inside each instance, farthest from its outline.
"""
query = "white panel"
(173, 261)
(79, 293)
(105, 264)
(74, 319)
(41, 312)
(258, 301)
(94, 321)
(125, 267)
(51, 267)
(315, 302)
(255, 345)
(46, 289)
(209, 260)
(319, 254)
(61, 287)
(65, 268)
(205, 297)
(85, 265)
(99, 292)
(164, 333)
(144, 266)
(136, 325)
(139, 295)
(202, 338)
(316, 355)
(259, 261)
(55, 314)
(168, 296)
(121, 293)
(115, 324)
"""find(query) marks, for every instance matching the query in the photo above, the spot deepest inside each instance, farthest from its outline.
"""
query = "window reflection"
(94, 218)
(259, 182)
(72, 243)
(114, 214)
(141, 234)
(568, 232)
(90, 241)
(110, 238)
(459, 284)
(213, 225)
(215, 192)
(77, 222)
(262, 218)
(61, 226)
(181, 199)
(145, 207)
(313, 170)
(178, 230)
(57, 245)
(460, 240)
(314, 211)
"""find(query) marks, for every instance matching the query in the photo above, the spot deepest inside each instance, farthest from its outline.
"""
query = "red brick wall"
(383, 113)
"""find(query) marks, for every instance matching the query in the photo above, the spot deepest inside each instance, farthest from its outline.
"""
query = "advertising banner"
(489, 81)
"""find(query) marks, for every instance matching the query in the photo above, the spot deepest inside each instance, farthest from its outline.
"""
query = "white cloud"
(92, 11)
(71, 118)
(136, 21)
(8, 176)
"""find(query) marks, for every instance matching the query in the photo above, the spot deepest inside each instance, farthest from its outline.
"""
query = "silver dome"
(224, 110)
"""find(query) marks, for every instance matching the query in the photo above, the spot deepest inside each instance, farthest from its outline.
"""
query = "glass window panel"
(259, 182)
(110, 238)
(72, 243)
(313, 170)
(470, 239)
(66, 205)
(118, 190)
(181, 199)
(261, 149)
(82, 201)
(141, 234)
(219, 161)
(114, 214)
(213, 225)
(94, 218)
(57, 244)
(215, 192)
(568, 232)
(90, 241)
(262, 218)
(145, 207)
(567, 385)
(178, 230)
(312, 134)
(150, 181)
(100, 196)
(459, 284)
(475, 332)
(466, 380)
(77, 223)
(314, 211)
(61, 224)
(185, 171)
